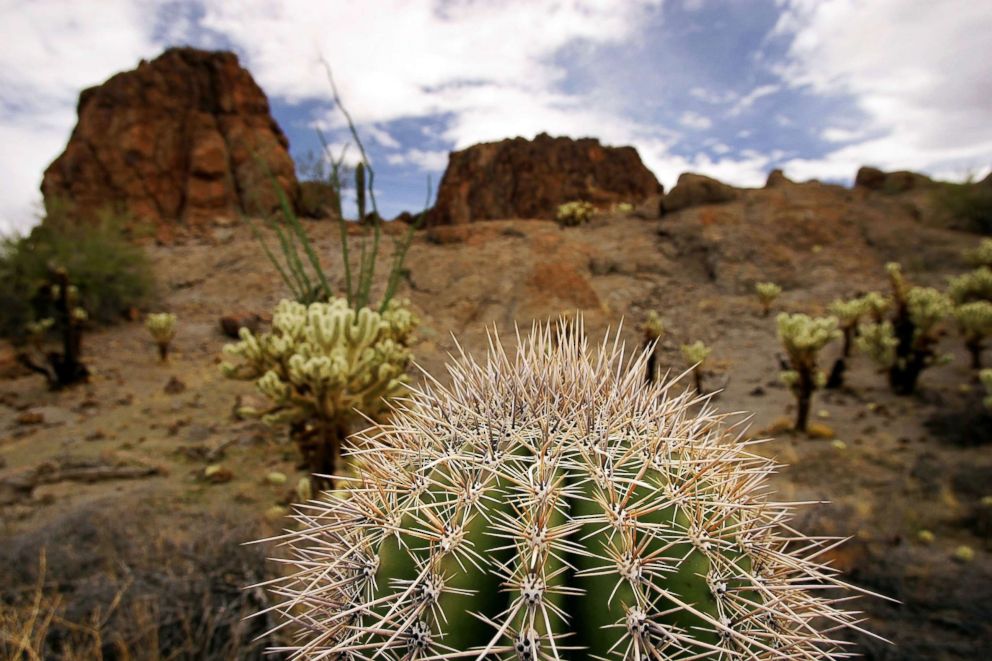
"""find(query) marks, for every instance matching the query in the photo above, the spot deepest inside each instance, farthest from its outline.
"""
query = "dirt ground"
(885, 468)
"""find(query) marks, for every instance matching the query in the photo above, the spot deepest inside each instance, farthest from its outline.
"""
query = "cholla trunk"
(550, 505)
(163, 351)
(974, 346)
(320, 445)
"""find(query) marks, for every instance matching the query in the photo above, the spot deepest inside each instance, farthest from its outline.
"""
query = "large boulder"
(184, 139)
(692, 190)
(519, 178)
(890, 182)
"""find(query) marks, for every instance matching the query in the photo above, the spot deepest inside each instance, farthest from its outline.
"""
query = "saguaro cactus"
(162, 326)
(552, 506)
(803, 337)
(321, 366)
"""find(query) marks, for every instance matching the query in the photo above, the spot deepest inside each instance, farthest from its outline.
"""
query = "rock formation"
(890, 182)
(179, 141)
(519, 178)
(776, 179)
(695, 189)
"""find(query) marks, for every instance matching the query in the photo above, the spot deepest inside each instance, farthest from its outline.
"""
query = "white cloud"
(918, 70)
(52, 50)
(430, 161)
(837, 134)
(695, 120)
(382, 136)
(748, 99)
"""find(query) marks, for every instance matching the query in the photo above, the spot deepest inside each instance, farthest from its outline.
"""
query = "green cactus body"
(552, 506)
(574, 213)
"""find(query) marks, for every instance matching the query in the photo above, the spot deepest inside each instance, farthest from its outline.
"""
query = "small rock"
(838, 444)
(231, 324)
(304, 489)
(217, 474)
(964, 553)
(823, 414)
(819, 430)
(30, 418)
(757, 391)
(174, 386)
(276, 478)
(97, 435)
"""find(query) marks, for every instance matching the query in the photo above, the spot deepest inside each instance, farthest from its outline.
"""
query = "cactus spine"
(549, 505)
(162, 326)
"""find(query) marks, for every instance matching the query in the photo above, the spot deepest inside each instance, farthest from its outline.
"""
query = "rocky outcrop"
(179, 141)
(692, 190)
(890, 182)
(519, 178)
(776, 179)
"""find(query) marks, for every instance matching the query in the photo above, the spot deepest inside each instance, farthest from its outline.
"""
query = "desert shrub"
(102, 585)
(970, 203)
(574, 213)
(803, 337)
(980, 256)
(548, 505)
(321, 366)
(300, 267)
(111, 273)
(767, 293)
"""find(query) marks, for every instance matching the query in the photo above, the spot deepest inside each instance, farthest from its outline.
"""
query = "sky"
(728, 88)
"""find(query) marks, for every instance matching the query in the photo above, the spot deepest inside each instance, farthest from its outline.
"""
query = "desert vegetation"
(506, 437)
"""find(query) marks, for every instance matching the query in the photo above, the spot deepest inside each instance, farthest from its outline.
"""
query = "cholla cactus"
(982, 255)
(574, 213)
(652, 328)
(803, 337)
(162, 326)
(767, 293)
(906, 345)
(60, 368)
(695, 356)
(986, 377)
(551, 506)
(975, 323)
(623, 208)
(972, 286)
(323, 364)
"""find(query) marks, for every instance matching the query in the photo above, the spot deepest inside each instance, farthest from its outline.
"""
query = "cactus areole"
(550, 505)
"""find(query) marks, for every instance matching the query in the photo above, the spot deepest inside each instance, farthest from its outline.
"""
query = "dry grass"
(122, 594)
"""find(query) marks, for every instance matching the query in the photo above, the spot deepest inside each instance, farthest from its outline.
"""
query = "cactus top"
(550, 505)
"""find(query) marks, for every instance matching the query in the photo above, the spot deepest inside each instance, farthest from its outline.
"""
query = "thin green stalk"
(272, 258)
